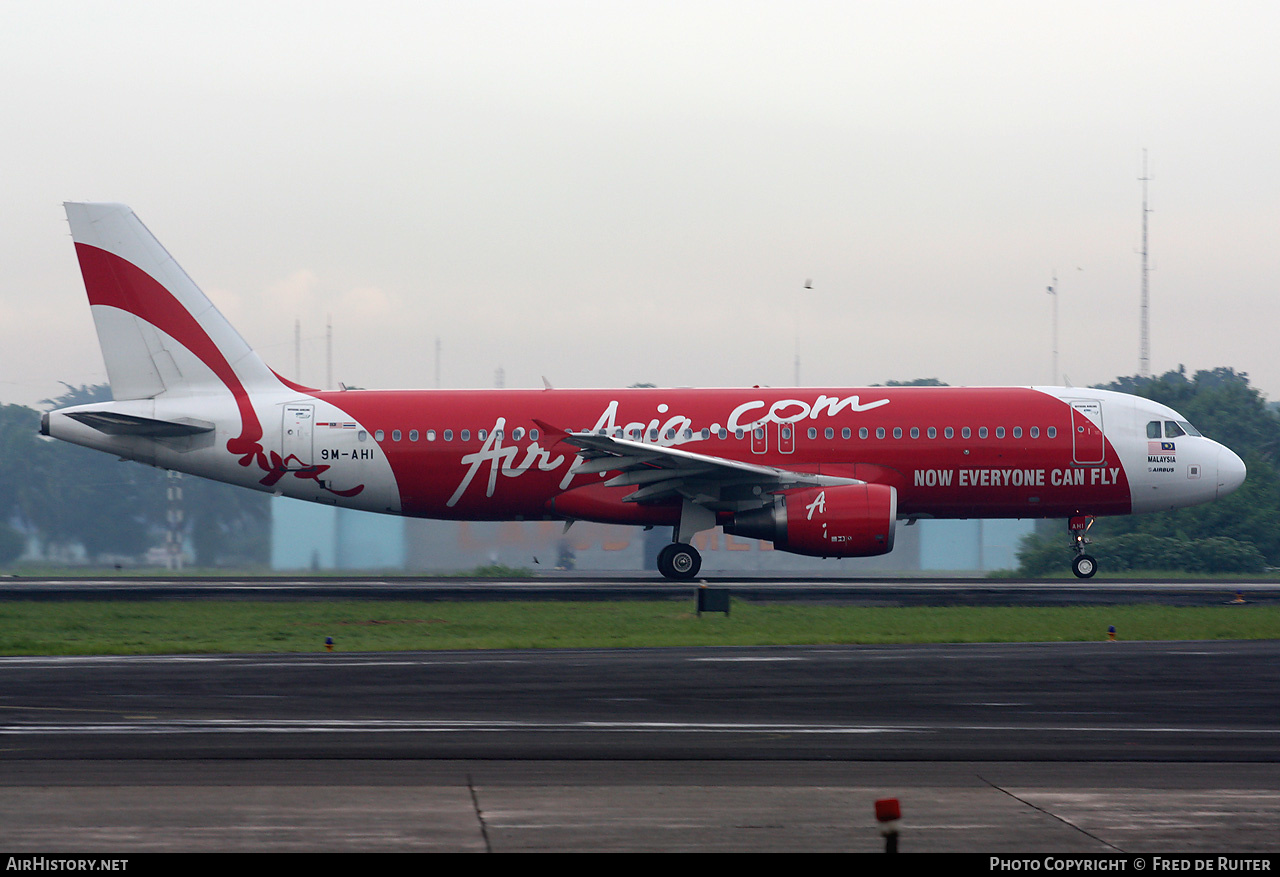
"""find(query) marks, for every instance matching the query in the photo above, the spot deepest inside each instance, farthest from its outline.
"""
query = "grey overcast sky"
(612, 192)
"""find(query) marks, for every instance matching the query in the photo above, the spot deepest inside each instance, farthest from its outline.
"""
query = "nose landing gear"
(1084, 566)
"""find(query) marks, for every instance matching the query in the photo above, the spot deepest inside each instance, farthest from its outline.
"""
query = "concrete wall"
(313, 536)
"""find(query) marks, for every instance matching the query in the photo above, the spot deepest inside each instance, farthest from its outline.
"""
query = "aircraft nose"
(1231, 471)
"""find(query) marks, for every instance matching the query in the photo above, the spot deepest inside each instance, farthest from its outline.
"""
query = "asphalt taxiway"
(1105, 747)
(892, 591)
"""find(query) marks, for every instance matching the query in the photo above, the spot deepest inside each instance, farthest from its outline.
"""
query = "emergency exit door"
(1089, 445)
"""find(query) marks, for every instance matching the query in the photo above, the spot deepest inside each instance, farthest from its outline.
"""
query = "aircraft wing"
(661, 472)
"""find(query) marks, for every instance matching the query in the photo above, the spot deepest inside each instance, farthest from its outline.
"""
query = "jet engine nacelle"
(850, 520)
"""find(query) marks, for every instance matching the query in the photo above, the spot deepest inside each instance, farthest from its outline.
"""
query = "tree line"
(63, 496)
(1239, 533)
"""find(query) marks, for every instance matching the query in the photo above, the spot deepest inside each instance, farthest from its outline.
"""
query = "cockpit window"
(1153, 429)
(1188, 428)
(1172, 430)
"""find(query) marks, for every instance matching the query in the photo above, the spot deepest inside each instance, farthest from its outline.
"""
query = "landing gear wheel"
(679, 561)
(1084, 566)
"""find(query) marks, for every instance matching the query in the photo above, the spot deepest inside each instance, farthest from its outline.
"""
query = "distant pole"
(1053, 291)
(1144, 337)
(808, 284)
(174, 522)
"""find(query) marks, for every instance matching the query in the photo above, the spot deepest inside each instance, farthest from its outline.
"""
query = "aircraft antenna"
(1144, 342)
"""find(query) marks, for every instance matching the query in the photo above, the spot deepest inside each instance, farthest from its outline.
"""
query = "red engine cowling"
(850, 520)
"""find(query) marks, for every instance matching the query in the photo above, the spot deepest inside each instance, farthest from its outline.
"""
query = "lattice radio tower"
(1144, 337)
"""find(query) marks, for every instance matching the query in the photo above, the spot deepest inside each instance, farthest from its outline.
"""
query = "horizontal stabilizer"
(113, 423)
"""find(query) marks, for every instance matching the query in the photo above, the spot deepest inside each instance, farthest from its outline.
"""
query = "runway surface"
(1074, 747)
(567, 586)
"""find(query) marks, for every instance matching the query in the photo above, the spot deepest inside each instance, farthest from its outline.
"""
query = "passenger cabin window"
(378, 435)
(395, 435)
(1051, 432)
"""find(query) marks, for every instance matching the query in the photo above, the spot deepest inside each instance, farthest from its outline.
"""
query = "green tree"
(69, 494)
(1223, 405)
(11, 544)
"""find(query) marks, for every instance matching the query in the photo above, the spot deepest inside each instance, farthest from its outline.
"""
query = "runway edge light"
(889, 815)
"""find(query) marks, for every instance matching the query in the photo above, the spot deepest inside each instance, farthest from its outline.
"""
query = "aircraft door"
(296, 446)
(1087, 438)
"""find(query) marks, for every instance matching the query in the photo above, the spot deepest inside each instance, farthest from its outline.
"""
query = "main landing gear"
(679, 561)
(1084, 566)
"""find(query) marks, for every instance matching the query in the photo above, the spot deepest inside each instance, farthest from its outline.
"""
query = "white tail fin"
(159, 333)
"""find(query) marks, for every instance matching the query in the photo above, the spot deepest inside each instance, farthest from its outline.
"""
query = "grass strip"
(211, 627)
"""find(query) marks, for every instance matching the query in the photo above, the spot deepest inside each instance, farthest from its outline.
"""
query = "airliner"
(826, 472)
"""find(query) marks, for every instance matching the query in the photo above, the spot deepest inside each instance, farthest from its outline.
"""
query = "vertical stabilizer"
(158, 332)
